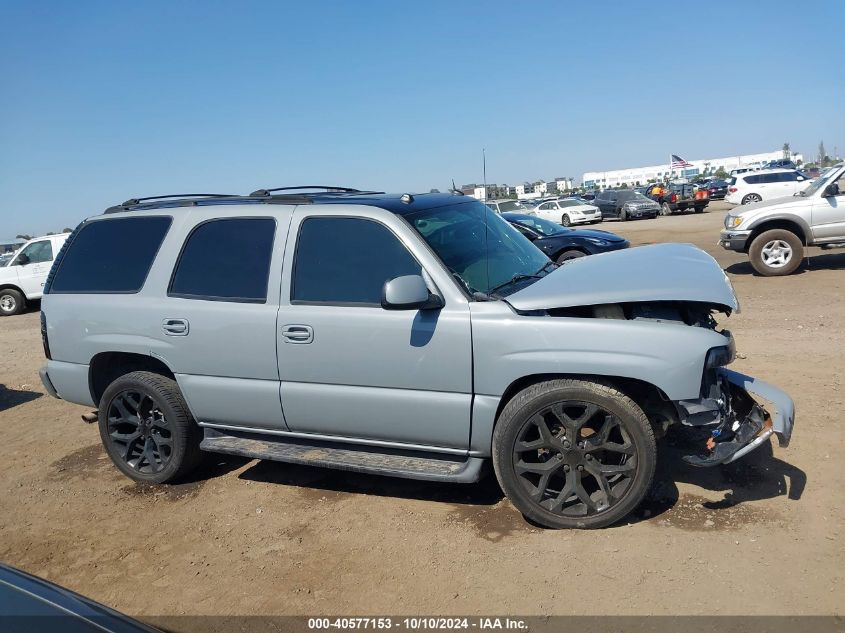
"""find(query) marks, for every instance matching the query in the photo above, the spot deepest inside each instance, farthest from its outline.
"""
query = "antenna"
(484, 171)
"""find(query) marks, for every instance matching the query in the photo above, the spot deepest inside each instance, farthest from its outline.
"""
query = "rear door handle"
(175, 327)
(298, 333)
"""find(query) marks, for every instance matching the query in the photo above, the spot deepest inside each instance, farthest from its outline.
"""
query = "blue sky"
(103, 101)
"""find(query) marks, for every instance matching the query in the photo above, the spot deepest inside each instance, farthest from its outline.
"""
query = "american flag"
(677, 161)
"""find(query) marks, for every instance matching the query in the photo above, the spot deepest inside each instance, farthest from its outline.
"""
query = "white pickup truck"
(22, 279)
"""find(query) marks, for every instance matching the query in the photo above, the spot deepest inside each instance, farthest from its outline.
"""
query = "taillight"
(674, 197)
(44, 340)
(732, 189)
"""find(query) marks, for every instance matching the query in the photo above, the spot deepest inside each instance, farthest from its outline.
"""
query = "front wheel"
(565, 220)
(665, 209)
(11, 302)
(574, 454)
(147, 429)
(776, 253)
(623, 215)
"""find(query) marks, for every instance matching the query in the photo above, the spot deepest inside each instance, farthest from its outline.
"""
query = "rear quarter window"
(109, 256)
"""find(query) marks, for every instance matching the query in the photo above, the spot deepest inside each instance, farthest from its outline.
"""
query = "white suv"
(23, 278)
(764, 185)
(568, 211)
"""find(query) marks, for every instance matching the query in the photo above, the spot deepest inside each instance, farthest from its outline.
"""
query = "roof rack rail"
(123, 206)
(328, 188)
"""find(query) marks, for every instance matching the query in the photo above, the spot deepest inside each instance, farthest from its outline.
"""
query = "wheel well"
(107, 367)
(12, 287)
(787, 225)
(649, 398)
(567, 249)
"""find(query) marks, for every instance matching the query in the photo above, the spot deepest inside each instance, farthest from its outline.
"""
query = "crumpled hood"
(660, 272)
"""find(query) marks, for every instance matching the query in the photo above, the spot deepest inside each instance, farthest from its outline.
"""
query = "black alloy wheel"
(140, 432)
(147, 428)
(574, 454)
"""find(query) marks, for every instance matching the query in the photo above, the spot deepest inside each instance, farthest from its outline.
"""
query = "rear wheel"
(751, 198)
(567, 255)
(11, 302)
(565, 220)
(699, 208)
(776, 253)
(147, 429)
(574, 454)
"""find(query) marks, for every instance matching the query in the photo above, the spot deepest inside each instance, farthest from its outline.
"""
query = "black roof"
(400, 203)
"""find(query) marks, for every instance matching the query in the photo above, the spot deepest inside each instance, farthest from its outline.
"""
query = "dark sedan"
(562, 244)
(717, 189)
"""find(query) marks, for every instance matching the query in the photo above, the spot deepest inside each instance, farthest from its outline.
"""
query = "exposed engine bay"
(738, 423)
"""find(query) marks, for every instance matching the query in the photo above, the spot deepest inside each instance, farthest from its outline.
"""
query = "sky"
(105, 101)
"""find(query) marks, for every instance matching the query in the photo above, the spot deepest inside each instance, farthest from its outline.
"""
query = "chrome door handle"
(298, 333)
(175, 327)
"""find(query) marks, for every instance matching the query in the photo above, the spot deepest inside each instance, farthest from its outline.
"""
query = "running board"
(361, 459)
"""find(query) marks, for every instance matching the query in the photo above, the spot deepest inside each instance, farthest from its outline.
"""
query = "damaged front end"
(740, 423)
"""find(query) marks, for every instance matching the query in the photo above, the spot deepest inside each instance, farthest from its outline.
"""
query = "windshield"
(541, 226)
(512, 205)
(571, 203)
(819, 183)
(477, 245)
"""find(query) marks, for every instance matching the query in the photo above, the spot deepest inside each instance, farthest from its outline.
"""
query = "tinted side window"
(226, 260)
(789, 176)
(752, 180)
(347, 260)
(38, 252)
(110, 256)
(769, 178)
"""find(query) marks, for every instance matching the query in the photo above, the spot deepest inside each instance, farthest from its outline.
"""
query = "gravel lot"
(764, 536)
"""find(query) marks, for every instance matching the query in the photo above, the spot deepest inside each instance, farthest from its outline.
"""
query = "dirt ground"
(764, 536)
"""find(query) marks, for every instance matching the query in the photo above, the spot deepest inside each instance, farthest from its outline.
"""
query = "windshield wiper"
(546, 265)
(517, 277)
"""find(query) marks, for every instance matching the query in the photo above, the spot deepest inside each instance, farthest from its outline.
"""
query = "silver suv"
(408, 335)
(774, 233)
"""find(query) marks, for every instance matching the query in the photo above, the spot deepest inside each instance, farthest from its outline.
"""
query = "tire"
(565, 220)
(11, 302)
(751, 198)
(699, 209)
(623, 215)
(776, 253)
(570, 254)
(600, 412)
(665, 209)
(165, 421)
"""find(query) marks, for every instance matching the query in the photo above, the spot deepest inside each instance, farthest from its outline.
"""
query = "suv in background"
(418, 336)
(775, 233)
(765, 185)
(625, 204)
(22, 278)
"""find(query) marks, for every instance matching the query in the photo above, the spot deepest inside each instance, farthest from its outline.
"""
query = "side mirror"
(831, 190)
(22, 260)
(800, 178)
(409, 293)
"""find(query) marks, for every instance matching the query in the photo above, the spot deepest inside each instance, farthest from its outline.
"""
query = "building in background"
(637, 176)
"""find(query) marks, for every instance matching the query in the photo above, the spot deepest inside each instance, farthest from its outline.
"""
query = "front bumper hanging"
(745, 423)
